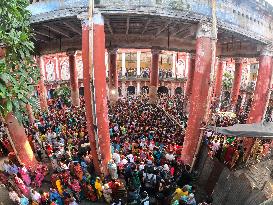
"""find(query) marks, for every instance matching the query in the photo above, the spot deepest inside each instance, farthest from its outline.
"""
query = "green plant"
(64, 93)
(227, 80)
(18, 73)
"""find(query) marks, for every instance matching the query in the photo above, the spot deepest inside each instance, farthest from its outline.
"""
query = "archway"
(119, 92)
(178, 91)
(51, 93)
(162, 90)
(81, 91)
(131, 90)
(145, 90)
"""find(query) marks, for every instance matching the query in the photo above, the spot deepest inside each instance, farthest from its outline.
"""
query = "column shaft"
(87, 96)
(236, 83)
(123, 64)
(113, 76)
(218, 80)
(74, 84)
(261, 94)
(30, 113)
(42, 88)
(154, 77)
(174, 65)
(138, 63)
(100, 92)
(191, 70)
(200, 90)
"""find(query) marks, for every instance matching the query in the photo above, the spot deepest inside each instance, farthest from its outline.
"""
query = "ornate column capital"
(191, 55)
(222, 59)
(155, 51)
(204, 29)
(267, 50)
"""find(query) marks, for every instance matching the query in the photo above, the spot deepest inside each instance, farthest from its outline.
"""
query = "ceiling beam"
(42, 34)
(127, 25)
(42, 38)
(109, 27)
(162, 29)
(180, 30)
(191, 30)
(72, 27)
(146, 26)
(57, 30)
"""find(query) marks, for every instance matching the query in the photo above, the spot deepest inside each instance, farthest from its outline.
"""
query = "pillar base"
(19, 138)
(152, 94)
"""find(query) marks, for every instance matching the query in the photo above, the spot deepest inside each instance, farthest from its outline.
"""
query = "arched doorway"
(119, 92)
(131, 90)
(81, 91)
(178, 91)
(162, 90)
(51, 93)
(145, 90)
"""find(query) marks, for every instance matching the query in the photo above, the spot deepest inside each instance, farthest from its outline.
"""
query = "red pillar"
(236, 82)
(74, 83)
(261, 94)
(200, 90)
(154, 76)
(87, 95)
(30, 114)
(42, 88)
(113, 75)
(219, 79)
(100, 92)
(20, 142)
(191, 67)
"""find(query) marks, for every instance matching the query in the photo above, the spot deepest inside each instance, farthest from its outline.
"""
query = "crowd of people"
(230, 149)
(145, 167)
(175, 106)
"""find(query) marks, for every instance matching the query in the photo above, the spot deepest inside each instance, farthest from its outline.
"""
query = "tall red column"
(236, 82)
(20, 142)
(219, 79)
(42, 88)
(154, 76)
(74, 83)
(100, 92)
(87, 95)
(261, 94)
(200, 90)
(113, 75)
(191, 67)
